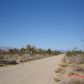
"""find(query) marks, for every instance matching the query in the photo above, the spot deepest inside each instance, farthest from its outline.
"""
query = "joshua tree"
(22, 51)
(13, 51)
(49, 51)
(28, 49)
(33, 50)
(39, 51)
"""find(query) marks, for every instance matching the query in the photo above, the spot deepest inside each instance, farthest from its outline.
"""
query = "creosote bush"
(74, 53)
(62, 64)
(59, 70)
(72, 81)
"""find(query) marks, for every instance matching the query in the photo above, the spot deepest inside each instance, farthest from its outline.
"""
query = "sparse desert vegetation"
(72, 68)
(41, 41)
(28, 53)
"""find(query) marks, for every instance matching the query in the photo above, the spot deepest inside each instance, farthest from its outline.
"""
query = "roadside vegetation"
(71, 69)
(28, 53)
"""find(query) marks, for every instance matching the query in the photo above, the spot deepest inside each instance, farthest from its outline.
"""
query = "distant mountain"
(5, 48)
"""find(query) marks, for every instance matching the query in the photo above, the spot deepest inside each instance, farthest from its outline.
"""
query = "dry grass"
(63, 65)
(59, 70)
(72, 73)
(72, 81)
(72, 67)
(58, 77)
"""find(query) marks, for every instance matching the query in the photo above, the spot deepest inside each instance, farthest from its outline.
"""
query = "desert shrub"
(58, 77)
(62, 64)
(71, 53)
(74, 53)
(72, 73)
(74, 58)
(72, 81)
(64, 60)
(8, 60)
(59, 70)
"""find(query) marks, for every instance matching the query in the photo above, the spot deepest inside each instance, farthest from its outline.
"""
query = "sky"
(55, 24)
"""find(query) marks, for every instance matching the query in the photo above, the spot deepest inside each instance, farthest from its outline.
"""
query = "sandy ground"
(35, 72)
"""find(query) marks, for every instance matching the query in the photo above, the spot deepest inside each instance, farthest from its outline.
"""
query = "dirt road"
(34, 72)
